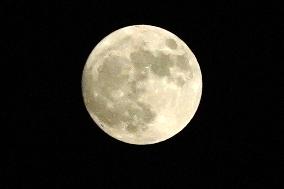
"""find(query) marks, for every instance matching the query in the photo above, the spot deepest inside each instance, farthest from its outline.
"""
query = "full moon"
(141, 84)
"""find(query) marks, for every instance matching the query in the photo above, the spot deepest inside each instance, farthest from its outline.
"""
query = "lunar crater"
(171, 43)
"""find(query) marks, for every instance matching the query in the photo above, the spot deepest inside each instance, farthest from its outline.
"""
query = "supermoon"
(141, 84)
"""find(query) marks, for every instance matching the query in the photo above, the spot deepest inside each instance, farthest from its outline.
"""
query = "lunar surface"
(141, 84)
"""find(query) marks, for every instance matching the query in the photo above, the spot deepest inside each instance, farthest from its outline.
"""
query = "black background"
(229, 143)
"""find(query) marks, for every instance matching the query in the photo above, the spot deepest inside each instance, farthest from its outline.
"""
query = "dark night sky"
(230, 140)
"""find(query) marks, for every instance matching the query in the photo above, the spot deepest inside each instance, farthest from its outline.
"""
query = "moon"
(141, 84)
